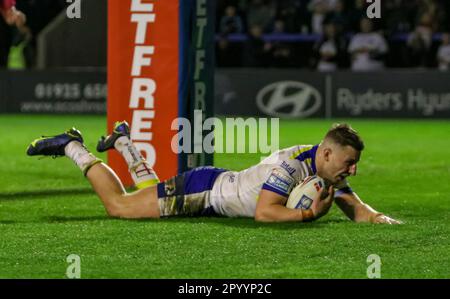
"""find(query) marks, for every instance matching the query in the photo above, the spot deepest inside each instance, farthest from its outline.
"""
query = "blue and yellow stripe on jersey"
(307, 155)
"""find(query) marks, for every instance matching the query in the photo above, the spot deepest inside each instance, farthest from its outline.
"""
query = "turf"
(48, 212)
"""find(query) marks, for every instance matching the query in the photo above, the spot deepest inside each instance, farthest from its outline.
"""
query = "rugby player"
(260, 191)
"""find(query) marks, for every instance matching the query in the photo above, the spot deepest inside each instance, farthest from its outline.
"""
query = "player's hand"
(323, 201)
(385, 220)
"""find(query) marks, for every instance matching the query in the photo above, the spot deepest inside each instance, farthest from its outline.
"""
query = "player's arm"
(358, 211)
(273, 196)
(271, 208)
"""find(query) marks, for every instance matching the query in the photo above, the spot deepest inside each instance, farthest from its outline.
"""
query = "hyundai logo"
(289, 99)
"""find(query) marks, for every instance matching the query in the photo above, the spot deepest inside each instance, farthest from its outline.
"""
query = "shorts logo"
(169, 187)
(304, 203)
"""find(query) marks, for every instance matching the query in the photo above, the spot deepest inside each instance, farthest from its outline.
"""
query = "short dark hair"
(344, 135)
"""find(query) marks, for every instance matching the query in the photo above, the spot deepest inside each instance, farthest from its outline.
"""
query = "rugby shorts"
(188, 193)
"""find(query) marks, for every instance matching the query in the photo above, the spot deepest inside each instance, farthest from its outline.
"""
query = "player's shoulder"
(299, 152)
(290, 159)
(289, 153)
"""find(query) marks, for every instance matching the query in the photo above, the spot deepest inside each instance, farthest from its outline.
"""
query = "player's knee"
(115, 209)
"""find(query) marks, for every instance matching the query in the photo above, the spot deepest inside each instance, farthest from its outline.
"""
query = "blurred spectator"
(228, 54)
(443, 54)
(330, 50)
(288, 11)
(39, 14)
(5, 41)
(397, 17)
(279, 27)
(420, 41)
(231, 22)
(446, 8)
(356, 13)
(261, 13)
(434, 11)
(319, 9)
(331, 4)
(10, 18)
(256, 50)
(281, 52)
(367, 48)
(338, 16)
(11, 15)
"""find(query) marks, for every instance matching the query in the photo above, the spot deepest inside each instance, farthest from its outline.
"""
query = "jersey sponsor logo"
(289, 99)
(280, 182)
(288, 168)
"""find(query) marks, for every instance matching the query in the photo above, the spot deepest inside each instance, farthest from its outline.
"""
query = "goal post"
(161, 70)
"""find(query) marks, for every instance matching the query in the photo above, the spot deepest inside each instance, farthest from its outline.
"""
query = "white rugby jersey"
(235, 194)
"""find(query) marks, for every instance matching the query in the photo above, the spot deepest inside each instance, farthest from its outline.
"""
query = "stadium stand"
(255, 33)
(289, 33)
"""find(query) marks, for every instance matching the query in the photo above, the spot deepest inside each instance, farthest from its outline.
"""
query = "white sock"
(142, 174)
(81, 156)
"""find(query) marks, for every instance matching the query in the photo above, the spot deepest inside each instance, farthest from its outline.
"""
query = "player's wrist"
(307, 215)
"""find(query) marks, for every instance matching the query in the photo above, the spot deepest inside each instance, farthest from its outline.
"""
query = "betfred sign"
(160, 69)
(143, 66)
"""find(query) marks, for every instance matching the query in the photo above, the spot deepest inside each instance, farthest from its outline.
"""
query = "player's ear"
(326, 154)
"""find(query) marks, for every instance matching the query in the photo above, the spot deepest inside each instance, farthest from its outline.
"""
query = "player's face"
(340, 162)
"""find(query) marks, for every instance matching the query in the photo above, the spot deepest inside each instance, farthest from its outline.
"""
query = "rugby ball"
(301, 197)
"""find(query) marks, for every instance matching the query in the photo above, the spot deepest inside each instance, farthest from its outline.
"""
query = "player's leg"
(133, 205)
(186, 194)
(141, 172)
(141, 204)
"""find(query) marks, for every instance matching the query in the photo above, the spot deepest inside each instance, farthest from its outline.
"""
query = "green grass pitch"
(48, 211)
